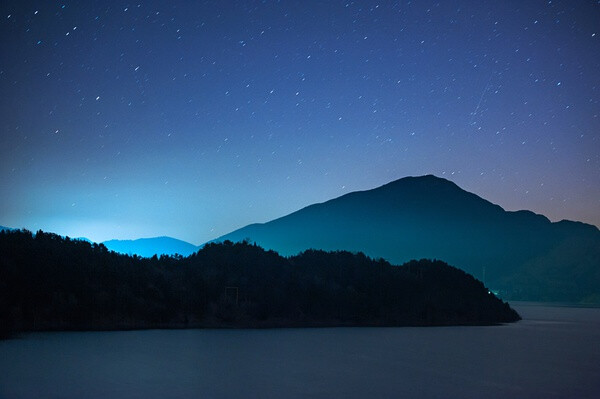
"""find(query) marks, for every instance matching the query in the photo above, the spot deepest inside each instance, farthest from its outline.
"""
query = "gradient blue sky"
(191, 119)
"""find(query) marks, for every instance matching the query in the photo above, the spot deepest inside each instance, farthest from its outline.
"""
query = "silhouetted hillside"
(148, 247)
(52, 283)
(520, 253)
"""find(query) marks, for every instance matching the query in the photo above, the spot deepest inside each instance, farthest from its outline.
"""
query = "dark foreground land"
(52, 283)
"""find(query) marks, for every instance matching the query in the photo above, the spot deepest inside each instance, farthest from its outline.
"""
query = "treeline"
(48, 282)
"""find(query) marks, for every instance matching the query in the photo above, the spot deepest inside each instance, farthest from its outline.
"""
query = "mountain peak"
(422, 182)
(428, 194)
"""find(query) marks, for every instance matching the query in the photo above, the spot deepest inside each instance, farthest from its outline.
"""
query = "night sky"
(191, 119)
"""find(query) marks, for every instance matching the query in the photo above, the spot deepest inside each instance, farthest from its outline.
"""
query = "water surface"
(553, 353)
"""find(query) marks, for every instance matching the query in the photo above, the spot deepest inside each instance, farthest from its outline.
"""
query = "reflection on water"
(554, 352)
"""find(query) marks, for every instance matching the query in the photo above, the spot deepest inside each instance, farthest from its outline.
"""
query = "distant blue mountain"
(148, 247)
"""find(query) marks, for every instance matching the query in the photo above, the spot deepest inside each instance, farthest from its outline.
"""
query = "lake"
(554, 352)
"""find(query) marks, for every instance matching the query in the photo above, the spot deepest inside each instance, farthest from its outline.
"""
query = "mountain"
(145, 247)
(48, 282)
(521, 253)
(148, 247)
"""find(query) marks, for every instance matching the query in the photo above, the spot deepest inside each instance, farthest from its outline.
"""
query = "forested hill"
(52, 283)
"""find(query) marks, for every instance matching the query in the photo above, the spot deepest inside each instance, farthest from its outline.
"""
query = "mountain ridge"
(428, 217)
(148, 247)
(525, 212)
(520, 253)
